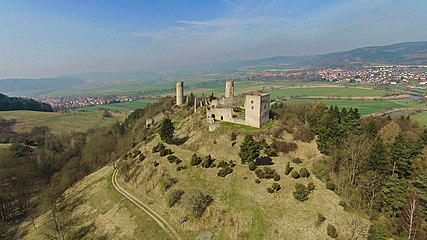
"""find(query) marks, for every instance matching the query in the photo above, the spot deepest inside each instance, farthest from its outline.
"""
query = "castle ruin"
(254, 113)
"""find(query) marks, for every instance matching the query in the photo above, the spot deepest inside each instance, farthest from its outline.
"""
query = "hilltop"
(241, 207)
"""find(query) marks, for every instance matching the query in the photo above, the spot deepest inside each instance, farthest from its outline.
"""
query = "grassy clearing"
(101, 211)
(421, 118)
(121, 107)
(327, 91)
(366, 107)
(75, 121)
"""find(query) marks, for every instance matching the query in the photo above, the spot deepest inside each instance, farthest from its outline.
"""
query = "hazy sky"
(46, 38)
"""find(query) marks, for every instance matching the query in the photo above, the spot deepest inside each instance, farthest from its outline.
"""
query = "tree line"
(15, 103)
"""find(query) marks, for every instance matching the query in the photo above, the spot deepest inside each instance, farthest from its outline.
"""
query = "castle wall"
(220, 114)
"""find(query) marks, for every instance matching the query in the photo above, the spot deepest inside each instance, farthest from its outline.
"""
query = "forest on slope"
(15, 103)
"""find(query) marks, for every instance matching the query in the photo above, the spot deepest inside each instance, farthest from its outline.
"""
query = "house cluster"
(410, 76)
(79, 102)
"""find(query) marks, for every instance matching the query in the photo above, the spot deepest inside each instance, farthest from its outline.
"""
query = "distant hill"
(39, 85)
(408, 53)
(14, 103)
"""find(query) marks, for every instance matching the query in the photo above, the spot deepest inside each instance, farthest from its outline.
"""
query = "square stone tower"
(257, 108)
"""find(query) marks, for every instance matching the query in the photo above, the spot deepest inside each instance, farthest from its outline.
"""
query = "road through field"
(156, 217)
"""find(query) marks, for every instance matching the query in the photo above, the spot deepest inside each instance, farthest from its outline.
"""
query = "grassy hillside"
(241, 207)
(92, 209)
(58, 122)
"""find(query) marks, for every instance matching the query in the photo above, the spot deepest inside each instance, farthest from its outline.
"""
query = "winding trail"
(156, 217)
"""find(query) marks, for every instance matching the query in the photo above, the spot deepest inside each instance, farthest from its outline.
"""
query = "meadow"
(58, 122)
(365, 107)
(421, 118)
(327, 91)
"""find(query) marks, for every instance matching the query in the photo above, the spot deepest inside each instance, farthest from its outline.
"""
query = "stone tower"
(179, 93)
(229, 89)
(257, 109)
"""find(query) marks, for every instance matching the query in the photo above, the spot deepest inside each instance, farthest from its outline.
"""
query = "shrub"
(265, 172)
(276, 177)
(222, 164)
(321, 171)
(158, 147)
(172, 158)
(276, 187)
(311, 186)
(181, 167)
(233, 136)
(257, 181)
(178, 161)
(271, 151)
(224, 171)
(304, 172)
(207, 162)
(156, 164)
(288, 168)
(233, 144)
(330, 185)
(332, 231)
(174, 197)
(195, 160)
(166, 152)
(195, 202)
(320, 219)
(296, 160)
(166, 182)
(295, 175)
(252, 166)
(142, 157)
(231, 164)
(270, 190)
(301, 192)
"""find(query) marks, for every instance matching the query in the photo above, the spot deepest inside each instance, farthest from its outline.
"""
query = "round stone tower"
(179, 93)
(229, 89)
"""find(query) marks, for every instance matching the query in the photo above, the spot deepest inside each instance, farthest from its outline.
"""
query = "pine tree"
(167, 130)
(378, 161)
(394, 194)
(329, 130)
(400, 157)
(249, 150)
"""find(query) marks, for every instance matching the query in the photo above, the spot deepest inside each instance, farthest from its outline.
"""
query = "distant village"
(81, 102)
(408, 76)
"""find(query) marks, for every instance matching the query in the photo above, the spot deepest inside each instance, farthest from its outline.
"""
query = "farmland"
(327, 91)
(365, 107)
(75, 121)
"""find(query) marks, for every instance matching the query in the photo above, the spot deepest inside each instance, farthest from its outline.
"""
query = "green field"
(421, 118)
(327, 91)
(58, 122)
(365, 107)
(121, 107)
